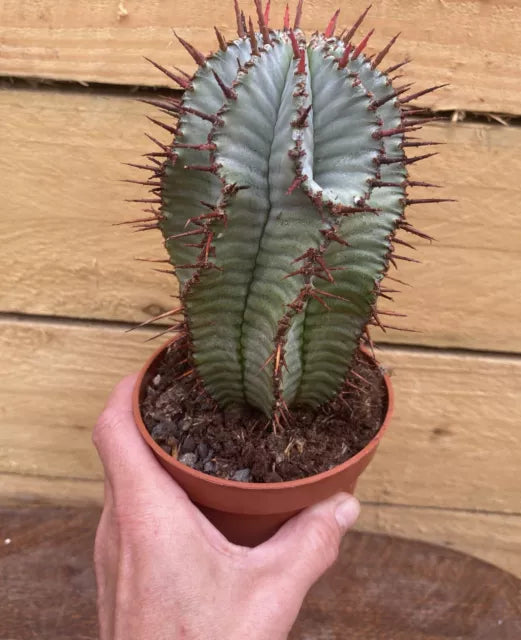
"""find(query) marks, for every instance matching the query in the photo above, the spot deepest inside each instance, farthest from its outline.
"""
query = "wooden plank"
(105, 41)
(56, 383)
(59, 172)
(455, 437)
(62, 166)
(22, 490)
(491, 537)
(454, 443)
(458, 298)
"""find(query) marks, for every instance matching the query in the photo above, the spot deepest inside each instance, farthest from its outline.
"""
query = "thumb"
(308, 544)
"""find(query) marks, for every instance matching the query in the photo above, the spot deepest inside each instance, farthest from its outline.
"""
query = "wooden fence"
(448, 471)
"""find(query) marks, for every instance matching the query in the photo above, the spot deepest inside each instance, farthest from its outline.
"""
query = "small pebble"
(189, 459)
(163, 430)
(241, 475)
(188, 445)
(156, 380)
(150, 423)
(186, 423)
(7, 541)
(202, 450)
(209, 467)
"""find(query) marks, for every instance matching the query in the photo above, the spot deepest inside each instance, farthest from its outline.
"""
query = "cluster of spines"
(312, 263)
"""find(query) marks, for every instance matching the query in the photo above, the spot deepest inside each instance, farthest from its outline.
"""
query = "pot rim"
(253, 486)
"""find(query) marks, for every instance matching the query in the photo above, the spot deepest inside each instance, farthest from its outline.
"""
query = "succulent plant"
(279, 202)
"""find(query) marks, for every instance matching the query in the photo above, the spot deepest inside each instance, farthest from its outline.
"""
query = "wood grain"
(56, 380)
(17, 490)
(380, 587)
(454, 442)
(384, 588)
(473, 45)
(48, 588)
(61, 256)
(494, 537)
(457, 416)
(62, 171)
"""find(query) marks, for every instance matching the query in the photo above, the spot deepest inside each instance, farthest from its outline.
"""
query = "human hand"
(164, 572)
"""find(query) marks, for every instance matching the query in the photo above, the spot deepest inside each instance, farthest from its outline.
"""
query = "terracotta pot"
(249, 513)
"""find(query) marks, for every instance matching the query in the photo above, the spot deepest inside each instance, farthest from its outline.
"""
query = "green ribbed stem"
(296, 150)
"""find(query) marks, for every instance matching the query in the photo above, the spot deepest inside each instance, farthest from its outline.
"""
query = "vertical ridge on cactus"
(280, 197)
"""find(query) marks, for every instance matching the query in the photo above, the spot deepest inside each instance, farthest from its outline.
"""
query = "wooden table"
(382, 588)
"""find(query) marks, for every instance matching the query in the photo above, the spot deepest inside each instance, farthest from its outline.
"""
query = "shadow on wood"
(382, 588)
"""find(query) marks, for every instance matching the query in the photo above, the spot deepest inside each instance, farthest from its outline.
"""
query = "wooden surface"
(61, 165)
(494, 537)
(475, 45)
(382, 588)
(445, 405)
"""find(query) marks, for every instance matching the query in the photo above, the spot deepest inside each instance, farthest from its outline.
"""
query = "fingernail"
(347, 512)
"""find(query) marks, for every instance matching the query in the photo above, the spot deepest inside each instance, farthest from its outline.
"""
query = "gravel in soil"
(240, 444)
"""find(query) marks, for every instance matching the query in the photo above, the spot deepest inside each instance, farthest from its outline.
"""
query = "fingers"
(116, 417)
(129, 463)
(119, 444)
(308, 544)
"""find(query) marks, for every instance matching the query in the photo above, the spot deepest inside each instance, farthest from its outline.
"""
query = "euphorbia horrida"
(279, 200)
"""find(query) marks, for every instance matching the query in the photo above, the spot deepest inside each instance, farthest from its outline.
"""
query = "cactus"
(280, 197)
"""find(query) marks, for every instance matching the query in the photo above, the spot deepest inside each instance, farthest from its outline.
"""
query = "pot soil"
(247, 479)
